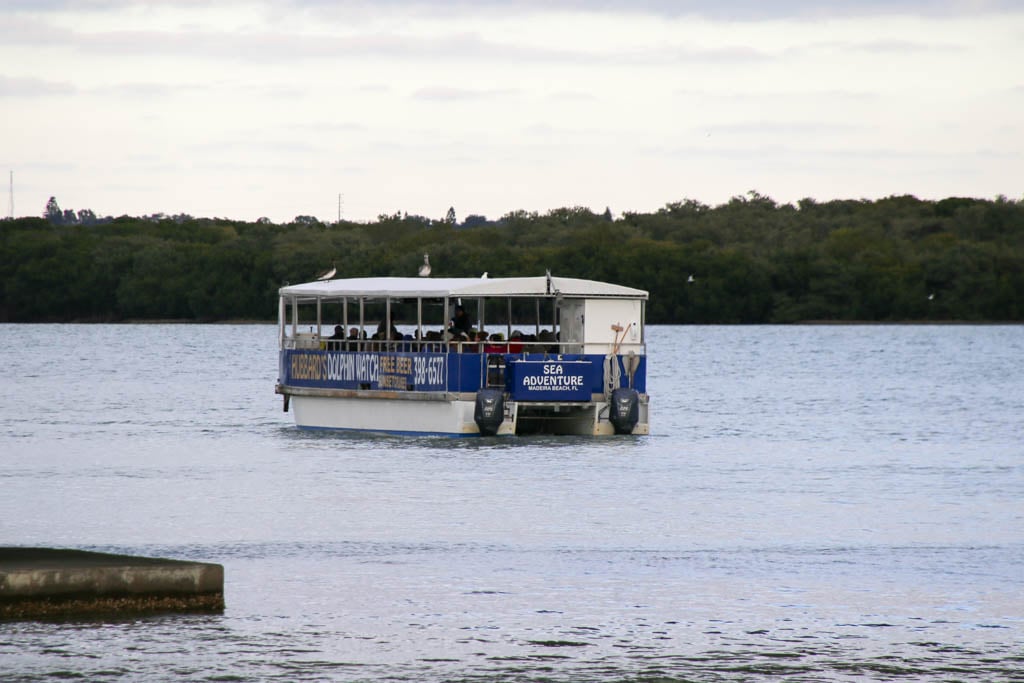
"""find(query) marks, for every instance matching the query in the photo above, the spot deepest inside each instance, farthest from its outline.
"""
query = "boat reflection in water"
(464, 356)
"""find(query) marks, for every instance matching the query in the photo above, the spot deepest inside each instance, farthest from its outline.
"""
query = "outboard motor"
(625, 410)
(489, 411)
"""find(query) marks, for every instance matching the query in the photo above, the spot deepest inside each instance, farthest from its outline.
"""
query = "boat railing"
(311, 341)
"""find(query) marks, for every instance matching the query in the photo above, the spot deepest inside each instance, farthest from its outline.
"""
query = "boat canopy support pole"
(280, 321)
(643, 322)
(362, 321)
(295, 317)
(419, 319)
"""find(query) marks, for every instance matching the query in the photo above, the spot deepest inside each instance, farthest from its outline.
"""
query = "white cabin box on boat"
(406, 355)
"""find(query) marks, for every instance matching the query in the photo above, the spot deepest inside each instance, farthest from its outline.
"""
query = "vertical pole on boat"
(319, 318)
(444, 323)
(556, 303)
(295, 317)
(419, 322)
(387, 323)
(362, 322)
(480, 308)
(508, 330)
(444, 338)
(280, 322)
(537, 321)
(344, 313)
(643, 322)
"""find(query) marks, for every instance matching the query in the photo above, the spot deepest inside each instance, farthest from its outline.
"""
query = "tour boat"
(464, 356)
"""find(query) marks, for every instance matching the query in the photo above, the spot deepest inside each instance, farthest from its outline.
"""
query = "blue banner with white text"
(552, 380)
(365, 370)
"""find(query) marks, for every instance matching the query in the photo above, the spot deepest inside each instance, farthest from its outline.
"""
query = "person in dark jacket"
(339, 333)
(461, 322)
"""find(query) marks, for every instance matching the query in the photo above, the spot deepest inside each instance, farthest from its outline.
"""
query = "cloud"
(905, 47)
(253, 144)
(457, 47)
(339, 37)
(718, 10)
(275, 46)
(34, 87)
(785, 128)
(789, 97)
(572, 96)
(146, 91)
(319, 128)
(737, 54)
(797, 151)
(449, 94)
(890, 47)
(729, 10)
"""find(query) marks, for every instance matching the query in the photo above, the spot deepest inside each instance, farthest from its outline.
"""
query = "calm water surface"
(815, 504)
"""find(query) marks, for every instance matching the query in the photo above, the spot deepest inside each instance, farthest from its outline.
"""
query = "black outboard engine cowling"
(489, 411)
(625, 410)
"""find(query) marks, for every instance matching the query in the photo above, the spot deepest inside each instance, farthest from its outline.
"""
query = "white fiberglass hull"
(450, 417)
(383, 415)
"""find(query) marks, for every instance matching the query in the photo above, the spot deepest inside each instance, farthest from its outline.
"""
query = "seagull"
(484, 276)
(425, 268)
(329, 274)
(691, 279)
(931, 297)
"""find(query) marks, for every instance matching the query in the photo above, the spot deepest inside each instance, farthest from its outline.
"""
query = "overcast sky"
(274, 108)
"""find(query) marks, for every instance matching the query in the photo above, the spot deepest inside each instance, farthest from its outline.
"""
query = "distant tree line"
(749, 260)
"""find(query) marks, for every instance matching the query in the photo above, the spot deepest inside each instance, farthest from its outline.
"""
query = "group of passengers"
(459, 337)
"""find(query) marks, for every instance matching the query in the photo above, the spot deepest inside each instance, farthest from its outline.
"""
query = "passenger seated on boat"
(390, 334)
(352, 341)
(544, 338)
(481, 341)
(515, 342)
(496, 344)
(334, 341)
(432, 341)
(457, 342)
(394, 340)
(382, 336)
(461, 322)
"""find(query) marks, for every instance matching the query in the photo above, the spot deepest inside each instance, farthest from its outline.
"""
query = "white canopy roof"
(415, 287)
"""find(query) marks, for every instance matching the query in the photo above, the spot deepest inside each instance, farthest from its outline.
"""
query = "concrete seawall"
(58, 583)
